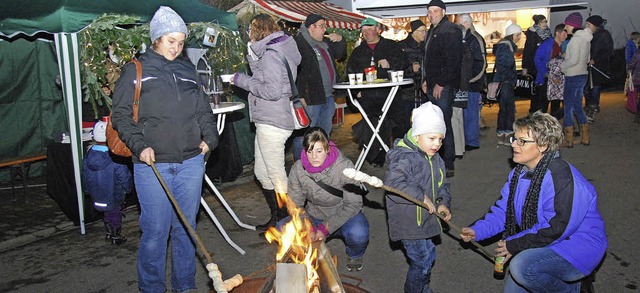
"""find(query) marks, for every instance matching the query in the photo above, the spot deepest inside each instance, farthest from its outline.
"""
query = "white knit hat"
(512, 29)
(100, 131)
(166, 21)
(428, 118)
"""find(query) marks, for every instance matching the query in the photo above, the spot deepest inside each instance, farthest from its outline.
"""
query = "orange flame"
(295, 239)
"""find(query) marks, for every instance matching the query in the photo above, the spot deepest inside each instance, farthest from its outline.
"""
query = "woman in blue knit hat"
(175, 129)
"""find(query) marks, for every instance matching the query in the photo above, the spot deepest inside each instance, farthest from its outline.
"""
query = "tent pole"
(69, 65)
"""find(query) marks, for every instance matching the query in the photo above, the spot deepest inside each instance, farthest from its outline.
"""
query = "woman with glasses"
(547, 211)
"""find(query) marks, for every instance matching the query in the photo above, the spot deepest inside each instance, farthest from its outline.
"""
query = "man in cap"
(413, 48)
(317, 73)
(601, 53)
(441, 71)
(384, 55)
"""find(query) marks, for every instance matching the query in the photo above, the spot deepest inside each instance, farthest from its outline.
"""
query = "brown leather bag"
(117, 146)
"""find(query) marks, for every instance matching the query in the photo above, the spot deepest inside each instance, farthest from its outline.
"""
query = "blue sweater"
(568, 219)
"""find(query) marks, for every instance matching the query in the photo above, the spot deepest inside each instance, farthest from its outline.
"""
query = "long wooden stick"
(376, 182)
(214, 273)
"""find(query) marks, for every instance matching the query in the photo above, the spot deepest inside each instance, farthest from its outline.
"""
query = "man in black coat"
(441, 71)
(413, 48)
(317, 73)
(601, 53)
(384, 55)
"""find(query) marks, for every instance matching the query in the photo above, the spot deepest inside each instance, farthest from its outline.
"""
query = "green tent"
(32, 108)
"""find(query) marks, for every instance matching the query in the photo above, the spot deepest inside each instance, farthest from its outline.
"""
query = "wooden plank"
(291, 278)
(19, 161)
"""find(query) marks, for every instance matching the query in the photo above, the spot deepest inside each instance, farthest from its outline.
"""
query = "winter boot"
(116, 237)
(584, 128)
(270, 197)
(568, 137)
(107, 228)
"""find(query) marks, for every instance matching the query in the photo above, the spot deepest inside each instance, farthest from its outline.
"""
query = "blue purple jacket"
(568, 219)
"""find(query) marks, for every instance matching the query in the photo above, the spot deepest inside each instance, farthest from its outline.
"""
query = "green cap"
(368, 21)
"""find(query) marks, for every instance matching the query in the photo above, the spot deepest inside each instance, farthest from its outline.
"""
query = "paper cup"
(400, 75)
(359, 78)
(352, 78)
(394, 76)
(226, 77)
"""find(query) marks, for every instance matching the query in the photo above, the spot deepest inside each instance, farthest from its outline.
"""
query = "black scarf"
(530, 208)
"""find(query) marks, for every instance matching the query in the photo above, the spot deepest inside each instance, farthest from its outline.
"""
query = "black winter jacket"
(414, 52)
(529, 52)
(479, 54)
(174, 113)
(443, 55)
(601, 53)
(309, 81)
(360, 59)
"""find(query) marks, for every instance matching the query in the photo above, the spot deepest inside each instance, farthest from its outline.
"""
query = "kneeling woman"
(548, 211)
(333, 201)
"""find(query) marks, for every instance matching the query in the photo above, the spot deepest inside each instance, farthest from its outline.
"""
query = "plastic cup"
(352, 78)
(359, 78)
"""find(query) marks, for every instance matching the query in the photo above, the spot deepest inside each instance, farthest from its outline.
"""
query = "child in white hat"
(107, 183)
(415, 168)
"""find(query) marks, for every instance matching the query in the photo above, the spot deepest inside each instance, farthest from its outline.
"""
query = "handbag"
(493, 90)
(300, 116)
(524, 86)
(115, 144)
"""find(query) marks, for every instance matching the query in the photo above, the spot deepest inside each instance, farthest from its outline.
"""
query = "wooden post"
(327, 272)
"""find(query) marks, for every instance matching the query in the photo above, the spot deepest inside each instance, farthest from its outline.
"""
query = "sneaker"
(354, 264)
(501, 139)
(450, 173)
(469, 148)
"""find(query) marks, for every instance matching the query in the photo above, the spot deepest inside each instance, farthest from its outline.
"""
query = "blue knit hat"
(166, 21)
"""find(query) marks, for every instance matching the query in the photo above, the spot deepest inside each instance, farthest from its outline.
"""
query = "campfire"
(302, 266)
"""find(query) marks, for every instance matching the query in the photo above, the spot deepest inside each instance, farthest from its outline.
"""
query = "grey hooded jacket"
(320, 204)
(269, 87)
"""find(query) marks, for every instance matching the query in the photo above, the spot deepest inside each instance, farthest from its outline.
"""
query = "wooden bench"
(20, 168)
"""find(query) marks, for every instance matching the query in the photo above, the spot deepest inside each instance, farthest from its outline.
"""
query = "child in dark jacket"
(415, 167)
(107, 183)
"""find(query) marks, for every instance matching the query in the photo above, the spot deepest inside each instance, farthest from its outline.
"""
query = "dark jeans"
(422, 255)
(507, 112)
(573, 91)
(542, 270)
(592, 96)
(445, 103)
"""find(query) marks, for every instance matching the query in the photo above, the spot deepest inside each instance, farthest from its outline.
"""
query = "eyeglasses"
(519, 141)
(324, 26)
(422, 31)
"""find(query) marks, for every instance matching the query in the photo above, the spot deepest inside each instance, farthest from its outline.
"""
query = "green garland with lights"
(112, 40)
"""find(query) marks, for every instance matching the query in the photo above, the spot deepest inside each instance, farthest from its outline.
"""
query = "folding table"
(221, 110)
(385, 108)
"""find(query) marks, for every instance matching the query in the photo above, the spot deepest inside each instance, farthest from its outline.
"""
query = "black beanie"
(311, 19)
(416, 24)
(438, 3)
(596, 20)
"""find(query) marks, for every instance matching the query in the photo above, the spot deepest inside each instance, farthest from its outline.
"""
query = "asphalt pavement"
(42, 251)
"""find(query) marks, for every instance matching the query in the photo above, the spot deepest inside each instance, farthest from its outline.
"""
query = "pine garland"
(124, 36)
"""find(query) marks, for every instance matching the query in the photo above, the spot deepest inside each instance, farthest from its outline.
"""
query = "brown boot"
(584, 128)
(568, 137)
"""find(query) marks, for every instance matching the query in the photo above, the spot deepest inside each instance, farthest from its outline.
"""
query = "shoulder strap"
(294, 88)
(136, 95)
(329, 189)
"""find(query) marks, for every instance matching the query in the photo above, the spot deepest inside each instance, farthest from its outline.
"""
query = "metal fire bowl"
(257, 285)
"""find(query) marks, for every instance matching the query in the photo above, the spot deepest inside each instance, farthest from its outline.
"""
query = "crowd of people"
(546, 209)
